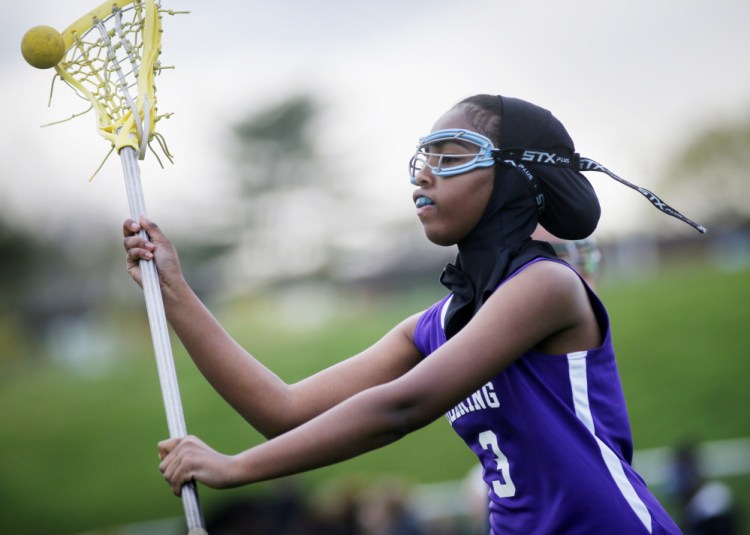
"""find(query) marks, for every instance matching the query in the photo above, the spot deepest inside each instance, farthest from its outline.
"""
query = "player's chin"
(439, 236)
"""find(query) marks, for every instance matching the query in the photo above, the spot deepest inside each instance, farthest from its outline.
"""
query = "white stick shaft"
(160, 336)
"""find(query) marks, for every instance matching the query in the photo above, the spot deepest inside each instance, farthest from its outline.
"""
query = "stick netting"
(111, 62)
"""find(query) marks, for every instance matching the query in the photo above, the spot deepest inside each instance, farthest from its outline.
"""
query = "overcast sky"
(630, 80)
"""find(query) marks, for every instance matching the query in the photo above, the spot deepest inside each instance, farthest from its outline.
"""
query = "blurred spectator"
(342, 506)
(705, 507)
(583, 255)
(336, 506)
(283, 511)
(384, 510)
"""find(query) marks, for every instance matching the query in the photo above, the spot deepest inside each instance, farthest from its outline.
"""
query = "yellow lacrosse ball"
(42, 47)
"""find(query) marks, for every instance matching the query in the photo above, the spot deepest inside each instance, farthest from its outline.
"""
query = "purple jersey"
(553, 437)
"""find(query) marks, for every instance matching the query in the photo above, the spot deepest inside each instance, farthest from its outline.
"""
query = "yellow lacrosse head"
(111, 60)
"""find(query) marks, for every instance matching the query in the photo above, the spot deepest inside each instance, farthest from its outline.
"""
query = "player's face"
(450, 207)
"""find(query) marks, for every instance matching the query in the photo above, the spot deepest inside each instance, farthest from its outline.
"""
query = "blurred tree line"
(285, 193)
(712, 174)
(286, 189)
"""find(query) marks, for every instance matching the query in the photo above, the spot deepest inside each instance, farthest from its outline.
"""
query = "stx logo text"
(536, 156)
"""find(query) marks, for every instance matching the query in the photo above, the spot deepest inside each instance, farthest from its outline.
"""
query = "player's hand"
(186, 459)
(155, 246)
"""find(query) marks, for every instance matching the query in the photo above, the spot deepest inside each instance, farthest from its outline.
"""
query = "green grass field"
(78, 453)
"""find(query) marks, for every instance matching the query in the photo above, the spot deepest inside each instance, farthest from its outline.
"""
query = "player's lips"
(420, 201)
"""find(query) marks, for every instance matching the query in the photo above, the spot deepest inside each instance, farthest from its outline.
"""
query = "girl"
(518, 355)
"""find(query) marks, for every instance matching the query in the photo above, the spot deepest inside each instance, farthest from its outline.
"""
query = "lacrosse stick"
(110, 59)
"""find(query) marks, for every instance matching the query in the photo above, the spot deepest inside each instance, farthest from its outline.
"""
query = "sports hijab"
(537, 179)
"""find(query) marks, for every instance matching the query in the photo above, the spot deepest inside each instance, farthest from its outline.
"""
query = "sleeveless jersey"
(553, 437)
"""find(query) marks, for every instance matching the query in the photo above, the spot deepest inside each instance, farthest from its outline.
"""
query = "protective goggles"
(430, 153)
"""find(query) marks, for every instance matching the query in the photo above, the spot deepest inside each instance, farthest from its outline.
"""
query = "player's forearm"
(255, 392)
(362, 423)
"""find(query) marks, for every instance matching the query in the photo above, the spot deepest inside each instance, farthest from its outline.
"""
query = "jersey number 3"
(502, 485)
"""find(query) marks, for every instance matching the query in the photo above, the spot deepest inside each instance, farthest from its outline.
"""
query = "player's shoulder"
(408, 326)
(549, 283)
(548, 272)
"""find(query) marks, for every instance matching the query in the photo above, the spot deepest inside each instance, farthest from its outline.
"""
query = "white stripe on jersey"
(579, 384)
(444, 311)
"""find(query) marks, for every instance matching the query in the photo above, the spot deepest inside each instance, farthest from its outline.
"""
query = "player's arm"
(546, 302)
(265, 401)
(255, 392)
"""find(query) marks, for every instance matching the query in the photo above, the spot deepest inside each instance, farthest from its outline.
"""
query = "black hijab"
(559, 198)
